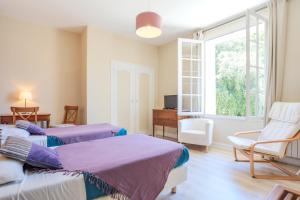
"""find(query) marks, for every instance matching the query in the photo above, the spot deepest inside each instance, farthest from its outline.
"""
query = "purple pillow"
(31, 153)
(30, 127)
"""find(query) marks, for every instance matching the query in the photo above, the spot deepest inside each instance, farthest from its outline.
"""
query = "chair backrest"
(195, 123)
(284, 124)
(71, 113)
(24, 113)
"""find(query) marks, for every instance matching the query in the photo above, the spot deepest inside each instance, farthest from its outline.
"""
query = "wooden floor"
(215, 175)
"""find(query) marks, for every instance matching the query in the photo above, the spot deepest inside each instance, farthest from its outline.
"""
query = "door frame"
(135, 70)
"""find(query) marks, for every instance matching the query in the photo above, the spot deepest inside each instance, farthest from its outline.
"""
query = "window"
(233, 74)
(190, 77)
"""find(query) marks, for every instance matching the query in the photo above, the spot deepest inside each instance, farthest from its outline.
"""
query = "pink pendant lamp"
(148, 25)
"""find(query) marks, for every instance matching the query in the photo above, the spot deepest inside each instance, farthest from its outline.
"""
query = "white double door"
(132, 97)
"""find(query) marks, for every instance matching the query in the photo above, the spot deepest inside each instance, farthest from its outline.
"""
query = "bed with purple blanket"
(134, 167)
(81, 133)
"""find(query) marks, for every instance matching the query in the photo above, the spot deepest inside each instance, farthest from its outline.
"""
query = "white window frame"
(180, 76)
(248, 62)
(202, 42)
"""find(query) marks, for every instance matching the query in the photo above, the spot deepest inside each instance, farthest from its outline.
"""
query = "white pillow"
(12, 131)
(10, 170)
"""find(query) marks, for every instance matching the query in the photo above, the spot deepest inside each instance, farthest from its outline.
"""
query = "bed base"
(176, 177)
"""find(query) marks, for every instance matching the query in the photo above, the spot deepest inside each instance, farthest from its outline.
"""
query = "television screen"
(170, 101)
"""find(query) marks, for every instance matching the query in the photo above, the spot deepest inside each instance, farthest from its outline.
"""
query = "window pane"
(196, 51)
(253, 42)
(186, 68)
(261, 80)
(262, 44)
(196, 101)
(253, 52)
(186, 103)
(230, 65)
(196, 85)
(196, 69)
(253, 79)
(186, 86)
(186, 50)
(261, 104)
(252, 100)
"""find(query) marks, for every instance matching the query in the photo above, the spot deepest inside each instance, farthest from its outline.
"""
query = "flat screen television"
(170, 101)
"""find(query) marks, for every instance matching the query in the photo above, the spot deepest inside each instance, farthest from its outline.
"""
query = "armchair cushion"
(285, 112)
(240, 142)
(245, 143)
(193, 132)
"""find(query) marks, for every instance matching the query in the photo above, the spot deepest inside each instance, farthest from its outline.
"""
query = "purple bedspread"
(137, 166)
(81, 133)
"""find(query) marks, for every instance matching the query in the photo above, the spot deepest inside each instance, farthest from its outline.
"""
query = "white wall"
(291, 83)
(167, 71)
(102, 48)
(43, 60)
(61, 67)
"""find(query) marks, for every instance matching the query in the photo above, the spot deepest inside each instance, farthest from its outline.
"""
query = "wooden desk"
(166, 117)
(281, 192)
(8, 119)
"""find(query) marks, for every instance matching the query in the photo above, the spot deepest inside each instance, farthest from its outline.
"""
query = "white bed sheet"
(61, 187)
(45, 187)
(38, 139)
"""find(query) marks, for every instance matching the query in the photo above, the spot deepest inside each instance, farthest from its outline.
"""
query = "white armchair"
(272, 142)
(195, 131)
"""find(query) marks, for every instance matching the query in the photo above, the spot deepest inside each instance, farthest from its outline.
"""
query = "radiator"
(293, 150)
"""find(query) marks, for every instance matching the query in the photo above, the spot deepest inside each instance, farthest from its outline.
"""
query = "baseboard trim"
(228, 147)
(291, 161)
(223, 146)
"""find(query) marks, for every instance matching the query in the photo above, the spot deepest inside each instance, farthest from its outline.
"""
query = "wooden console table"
(166, 117)
(8, 119)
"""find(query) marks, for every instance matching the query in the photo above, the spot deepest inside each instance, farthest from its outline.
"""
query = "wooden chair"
(24, 113)
(71, 113)
(70, 117)
(272, 141)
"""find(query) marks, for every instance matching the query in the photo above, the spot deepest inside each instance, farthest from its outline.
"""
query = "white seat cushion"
(193, 132)
(245, 143)
(241, 143)
(62, 125)
(193, 137)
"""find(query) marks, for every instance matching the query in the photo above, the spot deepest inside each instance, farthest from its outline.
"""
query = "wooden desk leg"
(153, 134)
(48, 123)
(163, 131)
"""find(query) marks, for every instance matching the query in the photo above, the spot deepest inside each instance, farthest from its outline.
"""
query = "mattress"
(92, 191)
(76, 133)
(38, 139)
(62, 187)
(49, 141)
(59, 186)
(46, 187)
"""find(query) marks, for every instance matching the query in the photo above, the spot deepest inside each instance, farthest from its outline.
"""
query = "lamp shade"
(148, 25)
(25, 95)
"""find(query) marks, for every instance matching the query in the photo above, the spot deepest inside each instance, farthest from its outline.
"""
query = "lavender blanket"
(133, 166)
(74, 134)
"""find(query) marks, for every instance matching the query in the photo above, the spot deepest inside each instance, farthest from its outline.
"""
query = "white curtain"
(277, 49)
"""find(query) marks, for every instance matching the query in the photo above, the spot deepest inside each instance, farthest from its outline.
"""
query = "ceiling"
(118, 16)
